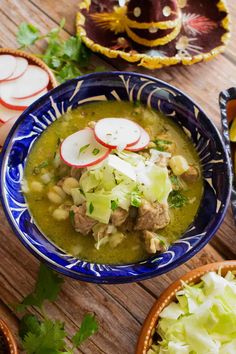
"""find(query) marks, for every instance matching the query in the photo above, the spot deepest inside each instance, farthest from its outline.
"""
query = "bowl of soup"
(114, 177)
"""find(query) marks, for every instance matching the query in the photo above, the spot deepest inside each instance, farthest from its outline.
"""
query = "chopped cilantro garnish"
(161, 144)
(72, 217)
(135, 198)
(83, 148)
(82, 192)
(95, 151)
(137, 103)
(177, 200)
(114, 205)
(174, 180)
(91, 208)
(37, 169)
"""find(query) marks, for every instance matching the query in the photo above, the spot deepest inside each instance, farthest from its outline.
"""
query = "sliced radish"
(33, 81)
(19, 104)
(81, 149)
(21, 66)
(6, 114)
(5, 129)
(117, 132)
(142, 143)
(7, 66)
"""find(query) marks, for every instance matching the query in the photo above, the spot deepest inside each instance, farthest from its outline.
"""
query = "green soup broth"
(61, 232)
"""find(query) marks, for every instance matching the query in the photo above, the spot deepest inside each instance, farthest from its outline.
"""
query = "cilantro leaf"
(89, 326)
(83, 148)
(162, 145)
(50, 338)
(47, 287)
(177, 199)
(135, 198)
(72, 48)
(91, 208)
(29, 323)
(114, 205)
(95, 151)
(27, 34)
(72, 217)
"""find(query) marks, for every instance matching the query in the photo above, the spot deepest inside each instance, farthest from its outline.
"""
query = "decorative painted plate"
(128, 87)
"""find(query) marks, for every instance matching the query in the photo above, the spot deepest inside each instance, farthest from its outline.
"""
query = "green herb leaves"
(176, 199)
(95, 151)
(65, 58)
(136, 198)
(161, 144)
(27, 35)
(37, 169)
(88, 327)
(114, 205)
(48, 336)
(47, 288)
(83, 148)
(91, 208)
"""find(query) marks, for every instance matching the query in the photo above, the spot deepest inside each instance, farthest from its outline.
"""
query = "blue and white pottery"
(224, 99)
(129, 87)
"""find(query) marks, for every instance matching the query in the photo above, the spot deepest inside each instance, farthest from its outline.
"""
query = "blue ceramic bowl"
(129, 87)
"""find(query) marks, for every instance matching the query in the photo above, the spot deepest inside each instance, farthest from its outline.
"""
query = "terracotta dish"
(149, 326)
(7, 341)
(32, 60)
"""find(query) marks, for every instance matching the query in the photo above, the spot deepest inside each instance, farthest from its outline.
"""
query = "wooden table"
(120, 309)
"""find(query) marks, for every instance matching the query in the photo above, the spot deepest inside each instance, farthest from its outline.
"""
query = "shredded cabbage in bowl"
(202, 320)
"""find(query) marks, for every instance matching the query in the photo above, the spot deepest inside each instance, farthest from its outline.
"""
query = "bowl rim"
(33, 58)
(4, 328)
(168, 295)
(115, 278)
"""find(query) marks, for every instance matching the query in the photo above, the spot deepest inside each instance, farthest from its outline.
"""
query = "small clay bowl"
(7, 341)
(32, 60)
(169, 295)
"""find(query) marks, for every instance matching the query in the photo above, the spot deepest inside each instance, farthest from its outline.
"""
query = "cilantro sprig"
(49, 335)
(64, 57)
(177, 199)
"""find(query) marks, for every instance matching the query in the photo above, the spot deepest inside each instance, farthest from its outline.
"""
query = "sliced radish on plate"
(19, 104)
(7, 66)
(6, 114)
(117, 132)
(21, 66)
(81, 149)
(5, 129)
(142, 143)
(33, 81)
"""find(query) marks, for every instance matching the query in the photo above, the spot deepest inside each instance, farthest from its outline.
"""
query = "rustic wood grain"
(120, 309)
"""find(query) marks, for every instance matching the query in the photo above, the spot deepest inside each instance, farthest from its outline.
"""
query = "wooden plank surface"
(120, 309)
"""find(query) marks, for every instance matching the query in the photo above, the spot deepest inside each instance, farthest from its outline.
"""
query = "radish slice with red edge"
(33, 81)
(7, 66)
(117, 132)
(21, 66)
(5, 129)
(6, 114)
(82, 150)
(19, 104)
(142, 143)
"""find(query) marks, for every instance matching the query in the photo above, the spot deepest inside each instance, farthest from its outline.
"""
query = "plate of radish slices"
(23, 79)
(89, 146)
